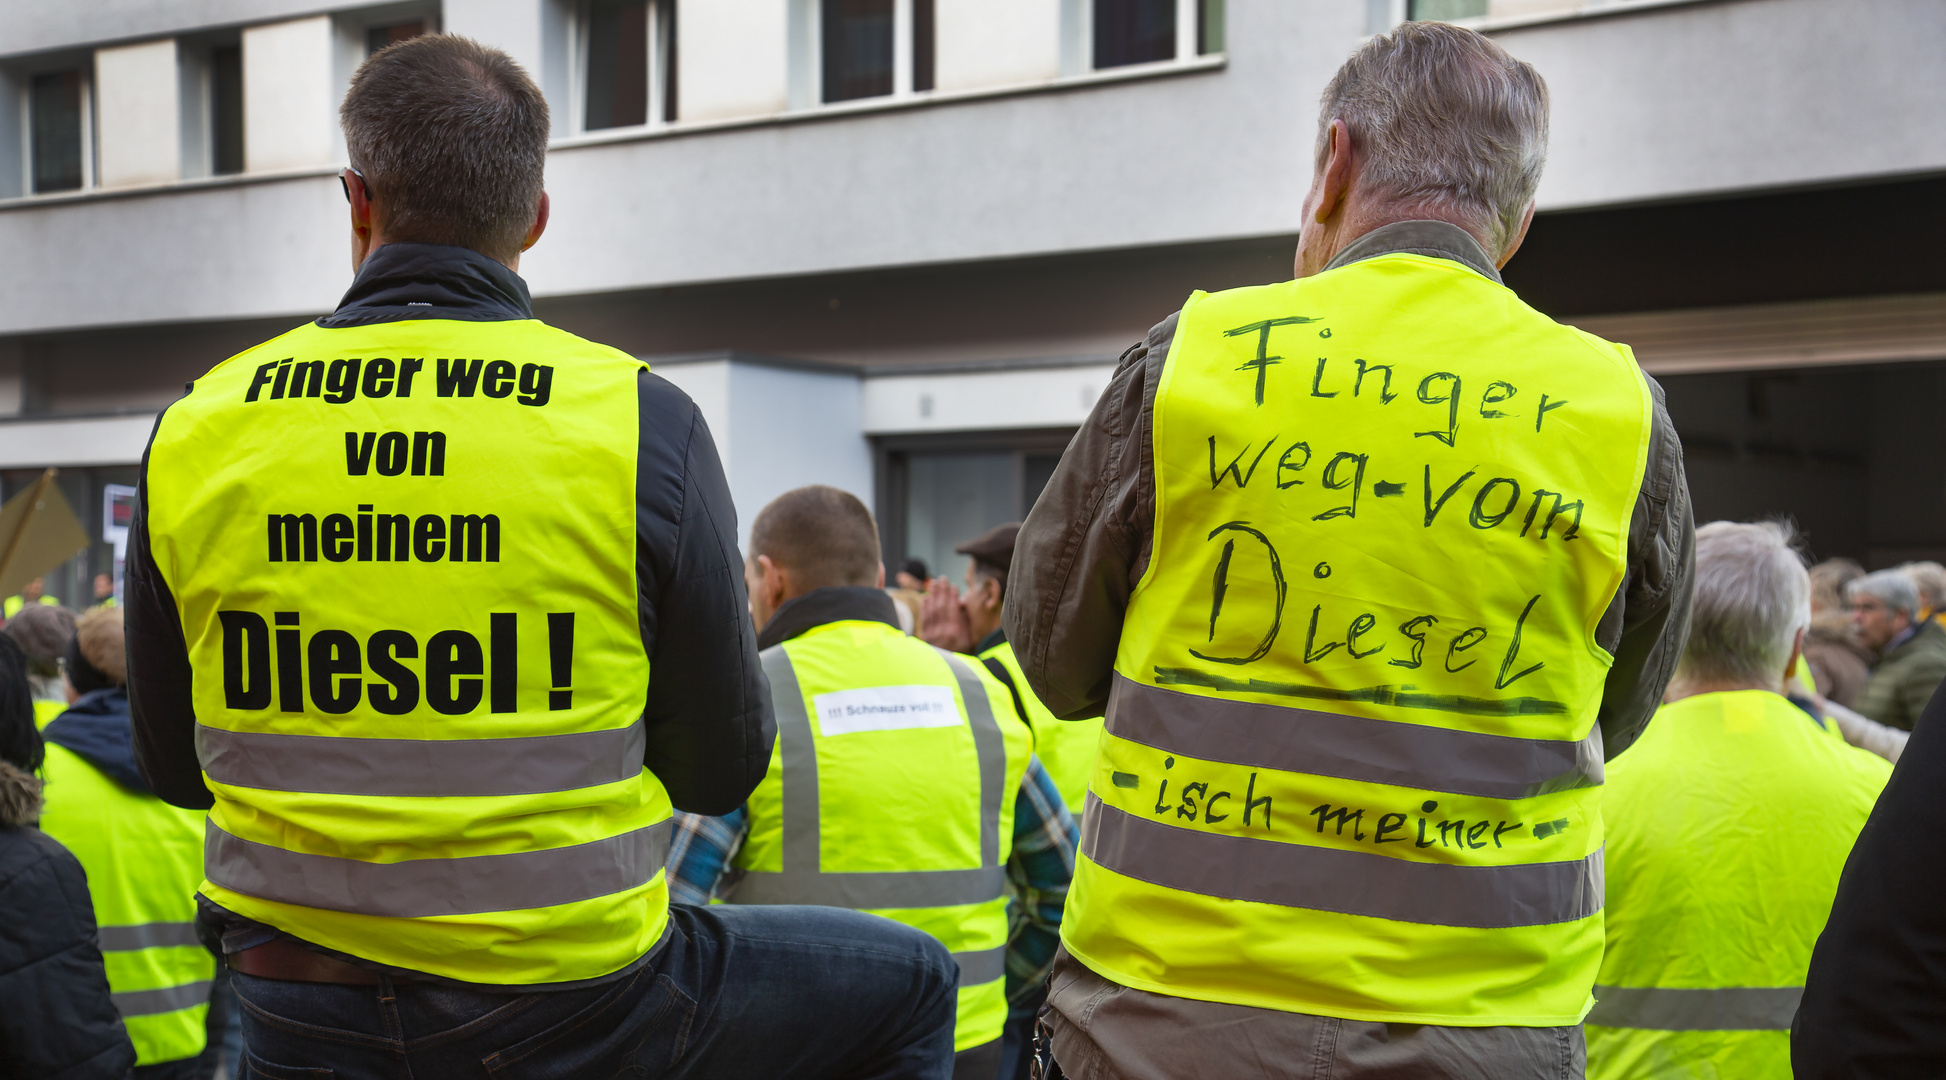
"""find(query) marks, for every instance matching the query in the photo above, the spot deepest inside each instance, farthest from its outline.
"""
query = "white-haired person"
(1728, 823)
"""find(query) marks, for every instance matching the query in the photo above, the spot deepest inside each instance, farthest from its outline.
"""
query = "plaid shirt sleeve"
(700, 853)
(1040, 868)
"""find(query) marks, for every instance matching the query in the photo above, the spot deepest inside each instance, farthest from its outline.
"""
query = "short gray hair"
(1930, 579)
(1443, 117)
(1752, 597)
(1893, 588)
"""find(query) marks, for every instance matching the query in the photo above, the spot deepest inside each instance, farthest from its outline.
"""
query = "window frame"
(663, 59)
(83, 64)
(891, 471)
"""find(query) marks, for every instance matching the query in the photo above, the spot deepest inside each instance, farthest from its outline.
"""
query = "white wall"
(778, 428)
(290, 95)
(734, 59)
(995, 42)
(137, 114)
(983, 400)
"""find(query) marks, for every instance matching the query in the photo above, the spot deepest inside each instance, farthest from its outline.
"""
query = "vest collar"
(1433, 239)
(820, 606)
(430, 281)
(991, 641)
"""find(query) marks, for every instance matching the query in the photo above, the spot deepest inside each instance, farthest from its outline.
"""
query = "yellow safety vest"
(891, 790)
(1729, 822)
(1066, 747)
(46, 709)
(12, 605)
(404, 558)
(143, 858)
(1352, 761)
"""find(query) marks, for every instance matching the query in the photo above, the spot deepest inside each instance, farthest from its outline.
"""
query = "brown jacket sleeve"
(1086, 543)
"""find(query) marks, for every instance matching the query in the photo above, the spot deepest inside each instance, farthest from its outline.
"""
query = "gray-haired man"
(1912, 652)
(1344, 819)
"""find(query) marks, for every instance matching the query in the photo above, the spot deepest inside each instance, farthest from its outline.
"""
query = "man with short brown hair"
(439, 609)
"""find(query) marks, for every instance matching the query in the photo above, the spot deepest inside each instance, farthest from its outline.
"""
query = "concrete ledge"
(33, 442)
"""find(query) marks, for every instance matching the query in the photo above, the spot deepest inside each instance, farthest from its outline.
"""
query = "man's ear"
(881, 577)
(540, 224)
(1338, 166)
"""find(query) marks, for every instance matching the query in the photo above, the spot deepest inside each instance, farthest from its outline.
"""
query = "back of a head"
(1442, 117)
(1828, 581)
(42, 631)
(1752, 597)
(823, 536)
(1893, 588)
(1930, 579)
(20, 740)
(451, 137)
(98, 645)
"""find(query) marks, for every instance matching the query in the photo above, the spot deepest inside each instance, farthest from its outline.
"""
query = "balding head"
(815, 537)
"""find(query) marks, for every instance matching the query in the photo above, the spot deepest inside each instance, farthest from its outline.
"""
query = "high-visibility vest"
(143, 858)
(404, 559)
(46, 709)
(1729, 822)
(1352, 762)
(1066, 747)
(891, 790)
(12, 605)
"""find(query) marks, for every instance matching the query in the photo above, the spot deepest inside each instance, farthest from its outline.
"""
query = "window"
(859, 57)
(378, 37)
(631, 63)
(57, 139)
(1446, 10)
(937, 491)
(226, 109)
(1148, 31)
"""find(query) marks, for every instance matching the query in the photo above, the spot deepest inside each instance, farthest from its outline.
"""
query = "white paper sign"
(886, 708)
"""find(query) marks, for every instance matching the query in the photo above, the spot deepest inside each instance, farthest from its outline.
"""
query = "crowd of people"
(1370, 763)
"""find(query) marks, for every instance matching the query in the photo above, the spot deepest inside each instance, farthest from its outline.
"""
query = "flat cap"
(994, 547)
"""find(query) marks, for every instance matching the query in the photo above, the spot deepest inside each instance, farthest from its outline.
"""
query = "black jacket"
(56, 1018)
(707, 705)
(1874, 1001)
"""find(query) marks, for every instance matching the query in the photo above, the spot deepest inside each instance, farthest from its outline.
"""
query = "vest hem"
(1381, 1016)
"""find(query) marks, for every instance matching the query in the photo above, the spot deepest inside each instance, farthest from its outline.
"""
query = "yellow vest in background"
(143, 858)
(45, 710)
(1066, 747)
(404, 558)
(1352, 764)
(1729, 823)
(891, 790)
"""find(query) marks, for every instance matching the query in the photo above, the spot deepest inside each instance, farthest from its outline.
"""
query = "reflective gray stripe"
(167, 999)
(1291, 739)
(531, 765)
(147, 936)
(803, 882)
(991, 750)
(1330, 879)
(981, 967)
(1730, 1008)
(872, 891)
(418, 888)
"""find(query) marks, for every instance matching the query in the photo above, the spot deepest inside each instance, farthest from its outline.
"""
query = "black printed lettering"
(336, 670)
(335, 534)
(290, 663)
(379, 373)
(429, 538)
(293, 537)
(358, 452)
(283, 378)
(536, 384)
(391, 454)
(399, 693)
(266, 373)
(498, 379)
(394, 538)
(453, 662)
(246, 660)
(341, 381)
(457, 377)
(307, 379)
(408, 367)
(475, 533)
(429, 453)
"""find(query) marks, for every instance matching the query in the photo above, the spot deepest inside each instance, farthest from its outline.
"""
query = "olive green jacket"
(1905, 679)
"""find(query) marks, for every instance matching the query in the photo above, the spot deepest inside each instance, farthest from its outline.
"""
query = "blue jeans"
(735, 992)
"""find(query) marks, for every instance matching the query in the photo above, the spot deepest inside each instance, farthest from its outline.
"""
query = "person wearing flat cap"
(969, 622)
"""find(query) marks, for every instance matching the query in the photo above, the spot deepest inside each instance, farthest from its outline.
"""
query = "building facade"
(897, 245)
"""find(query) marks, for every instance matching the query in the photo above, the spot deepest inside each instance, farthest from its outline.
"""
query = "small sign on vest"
(885, 708)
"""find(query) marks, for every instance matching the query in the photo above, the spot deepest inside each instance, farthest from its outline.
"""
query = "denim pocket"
(636, 1030)
(256, 1068)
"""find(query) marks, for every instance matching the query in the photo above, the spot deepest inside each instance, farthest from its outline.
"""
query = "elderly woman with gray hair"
(1727, 827)
(1885, 605)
